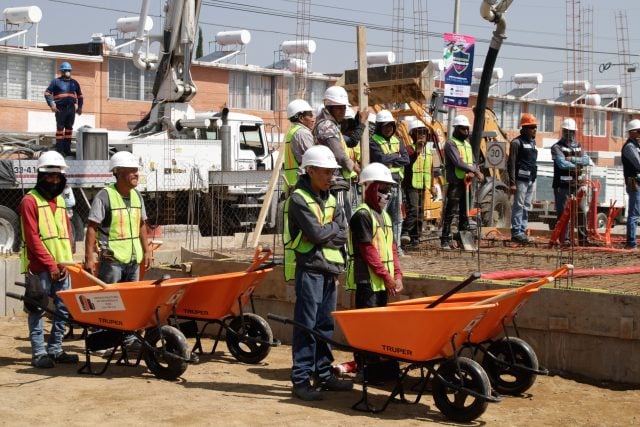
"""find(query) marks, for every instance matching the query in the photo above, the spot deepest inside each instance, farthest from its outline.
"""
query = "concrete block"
(626, 328)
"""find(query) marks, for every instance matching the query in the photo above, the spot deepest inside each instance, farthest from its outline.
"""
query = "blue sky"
(529, 23)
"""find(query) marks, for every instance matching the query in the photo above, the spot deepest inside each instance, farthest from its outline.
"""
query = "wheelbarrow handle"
(313, 332)
(474, 276)
(278, 318)
(88, 275)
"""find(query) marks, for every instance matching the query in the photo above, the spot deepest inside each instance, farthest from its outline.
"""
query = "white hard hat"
(320, 156)
(416, 124)
(568, 124)
(123, 159)
(633, 125)
(51, 161)
(384, 116)
(349, 113)
(297, 106)
(336, 95)
(371, 118)
(376, 172)
(461, 120)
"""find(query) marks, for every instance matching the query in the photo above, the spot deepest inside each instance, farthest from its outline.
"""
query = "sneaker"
(630, 247)
(334, 383)
(446, 246)
(305, 392)
(522, 239)
(65, 358)
(345, 368)
(404, 239)
(42, 361)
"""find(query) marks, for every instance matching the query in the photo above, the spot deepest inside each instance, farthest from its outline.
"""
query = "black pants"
(456, 198)
(415, 213)
(65, 117)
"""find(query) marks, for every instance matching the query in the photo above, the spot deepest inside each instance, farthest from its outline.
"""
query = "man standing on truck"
(523, 169)
(314, 234)
(569, 161)
(459, 166)
(631, 167)
(62, 95)
(46, 245)
(298, 139)
(327, 132)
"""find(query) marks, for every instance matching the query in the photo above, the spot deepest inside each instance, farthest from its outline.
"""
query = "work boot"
(63, 357)
(445, 245)
(305, 392)
(405, 239)
(334, 383)
(42, 361)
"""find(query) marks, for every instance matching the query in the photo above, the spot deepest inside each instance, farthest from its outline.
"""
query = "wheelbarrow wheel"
(253, 326)
(458, 405)
(504, 377)
(163, 365)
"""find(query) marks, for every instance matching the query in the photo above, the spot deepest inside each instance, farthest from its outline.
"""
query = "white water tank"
(225, 38)
(527, 78)
(380, 58)
(129, 24)
(497, 73)
(292, 47)
(297, 65)
(614, 90)
(592, 99)
(576, 85)
(22, 15)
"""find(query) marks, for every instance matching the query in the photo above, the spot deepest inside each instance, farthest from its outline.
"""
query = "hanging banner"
(458, 69)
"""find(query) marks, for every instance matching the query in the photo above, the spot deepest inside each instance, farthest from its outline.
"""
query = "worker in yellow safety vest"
(298, 139)
(459, 164)
(315, 232)
(46, 246)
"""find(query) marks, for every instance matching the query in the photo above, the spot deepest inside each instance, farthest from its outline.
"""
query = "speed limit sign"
(496, 156)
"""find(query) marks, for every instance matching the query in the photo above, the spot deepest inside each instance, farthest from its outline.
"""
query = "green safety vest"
(291, 165)
(421, 169)
(464, 148)
(303, 246)
(389, 147)
(53, 231)
(382, 241)
(124, 231)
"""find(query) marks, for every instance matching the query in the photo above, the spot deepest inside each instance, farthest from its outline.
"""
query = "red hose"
(582, 272)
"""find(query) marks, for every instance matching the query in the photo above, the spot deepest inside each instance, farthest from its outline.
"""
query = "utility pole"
(456, 28)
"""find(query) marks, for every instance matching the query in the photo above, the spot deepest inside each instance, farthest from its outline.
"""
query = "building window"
(544, 116)
(23, 77)
(508, 114)
(595, 123)
(250, 91)
(128, 82)
(313, 95)
(618, 123)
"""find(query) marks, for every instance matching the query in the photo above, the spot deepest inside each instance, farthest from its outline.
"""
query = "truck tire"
(10, 236)
(501, 215)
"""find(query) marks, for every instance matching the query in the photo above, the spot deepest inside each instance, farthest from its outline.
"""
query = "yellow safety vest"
(464, 148)
(382, 241)
(303, 246)
(53, 231)
(291, 165)
(124, 231)
(345, 172)
(421, 169)
(389, 147)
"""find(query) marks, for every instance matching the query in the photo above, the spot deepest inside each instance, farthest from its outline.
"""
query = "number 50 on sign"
(496, 155)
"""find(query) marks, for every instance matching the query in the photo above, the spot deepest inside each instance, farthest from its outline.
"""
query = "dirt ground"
(221, 391)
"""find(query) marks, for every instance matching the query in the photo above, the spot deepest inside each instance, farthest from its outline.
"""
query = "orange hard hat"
(528, 119)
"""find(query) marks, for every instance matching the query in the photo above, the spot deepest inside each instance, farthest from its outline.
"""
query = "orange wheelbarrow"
(510, 362)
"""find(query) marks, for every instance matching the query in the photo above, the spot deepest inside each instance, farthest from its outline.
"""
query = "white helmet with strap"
(123, 159)
(376, 172)
(320, 156)
(298, 106)
(51, 161)
(336, 95)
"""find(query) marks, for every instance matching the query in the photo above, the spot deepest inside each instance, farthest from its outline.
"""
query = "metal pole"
(456, 28)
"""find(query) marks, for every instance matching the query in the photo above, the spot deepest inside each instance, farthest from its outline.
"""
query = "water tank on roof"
(380, 58)
(297, 65)
(592, 99)
(298, 46)
(576, 85)
(527, 78)
(129, 24)
(22, 15)
(615, 90)
(242, 37)
(497, 74)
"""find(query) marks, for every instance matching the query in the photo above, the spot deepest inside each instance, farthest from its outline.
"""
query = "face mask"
(67, 74)
(383, 199)
(50, 190)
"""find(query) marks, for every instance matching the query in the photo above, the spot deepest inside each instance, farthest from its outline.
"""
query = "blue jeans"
(315, 300)
(521, 207)
(36, 323)
(111, 271)
(394, 209)
(632, 217)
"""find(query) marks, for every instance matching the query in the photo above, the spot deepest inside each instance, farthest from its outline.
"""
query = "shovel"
(466, 236)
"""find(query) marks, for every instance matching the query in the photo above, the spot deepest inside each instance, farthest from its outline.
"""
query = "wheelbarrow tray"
(219, 295)
(126, 306)
(411, 333)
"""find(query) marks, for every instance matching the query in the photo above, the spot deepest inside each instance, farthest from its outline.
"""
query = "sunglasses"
(384, 190)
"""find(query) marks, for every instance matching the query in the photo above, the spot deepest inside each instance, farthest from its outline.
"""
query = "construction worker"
(631, 169)
(387, 149)
(314, 233)
(523, 169)
(327, 132)
(298, 139)
(62, 95)
(569, 162)
(459, 165)
(116, 223)
(46, 245)
(417, 182)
